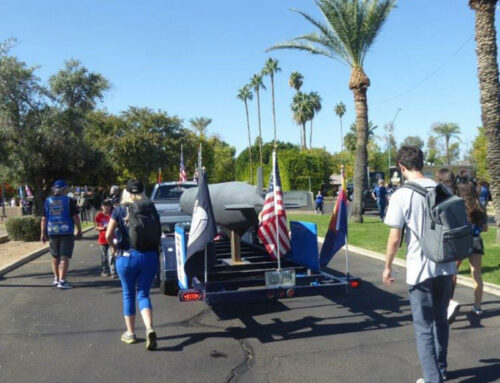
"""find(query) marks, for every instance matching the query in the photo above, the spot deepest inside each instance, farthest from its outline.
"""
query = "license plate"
(283, 278)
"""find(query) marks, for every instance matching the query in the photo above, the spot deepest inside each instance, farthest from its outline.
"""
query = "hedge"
(23, 228)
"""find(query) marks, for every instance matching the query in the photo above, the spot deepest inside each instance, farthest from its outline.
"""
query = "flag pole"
(346, 247)
(276, 209)
(206, 273)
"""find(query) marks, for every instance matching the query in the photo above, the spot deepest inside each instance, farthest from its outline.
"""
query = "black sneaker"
(64, 285)
(151, 340)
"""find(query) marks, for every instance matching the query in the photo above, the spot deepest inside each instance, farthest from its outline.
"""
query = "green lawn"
(372, 235)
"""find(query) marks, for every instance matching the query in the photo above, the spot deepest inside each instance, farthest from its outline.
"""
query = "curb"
(489, 288)
(4, 238)
(29, 257)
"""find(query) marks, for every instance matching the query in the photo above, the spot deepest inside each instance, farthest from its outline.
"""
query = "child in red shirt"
(101, 224)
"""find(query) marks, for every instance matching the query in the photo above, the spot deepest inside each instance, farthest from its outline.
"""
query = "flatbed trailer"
(256, 276)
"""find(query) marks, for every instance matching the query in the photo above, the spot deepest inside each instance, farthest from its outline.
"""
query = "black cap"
(135, 187)
(106, 202)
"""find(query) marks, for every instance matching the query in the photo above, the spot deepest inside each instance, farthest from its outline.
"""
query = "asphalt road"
(48, 335)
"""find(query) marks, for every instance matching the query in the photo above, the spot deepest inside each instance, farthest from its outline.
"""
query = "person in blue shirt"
(319, 203)
(484, 194)
(60, 216)
(379, 194)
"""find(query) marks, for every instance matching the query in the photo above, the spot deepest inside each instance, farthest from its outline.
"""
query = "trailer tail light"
(190, 295)
(354, 283)
(290, 293)
(281, 294)
(271, 294)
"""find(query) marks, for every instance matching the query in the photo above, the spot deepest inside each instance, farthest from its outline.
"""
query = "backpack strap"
(419, 189)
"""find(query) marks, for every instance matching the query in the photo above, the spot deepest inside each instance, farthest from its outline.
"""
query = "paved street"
(47, 335)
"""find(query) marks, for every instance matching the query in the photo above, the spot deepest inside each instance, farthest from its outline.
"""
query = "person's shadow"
(482, 374)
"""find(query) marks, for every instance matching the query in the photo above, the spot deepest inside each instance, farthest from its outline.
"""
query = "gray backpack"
(447, 235)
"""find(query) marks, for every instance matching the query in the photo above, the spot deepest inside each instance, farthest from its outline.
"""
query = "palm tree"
(200, 125)
(489, 86)
(270, 69)
(315, 100)
(447, 130)
(340, 111)
(296, 80)
(256, 83)
(245, 94)
(349, 31)
(302, 111)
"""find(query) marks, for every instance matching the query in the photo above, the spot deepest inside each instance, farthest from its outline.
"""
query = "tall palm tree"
(256, 83)
(489, 86)
(270, 69)
(447, 130)
(349, 31)
(200, 125)
(340, 111)
(245, 94)
(302, 111)
(296, 80)
(315, 100)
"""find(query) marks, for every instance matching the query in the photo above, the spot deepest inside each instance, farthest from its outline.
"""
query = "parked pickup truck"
(166, 196)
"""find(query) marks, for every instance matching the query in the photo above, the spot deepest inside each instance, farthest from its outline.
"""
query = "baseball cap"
(59, 184)
(135, 187)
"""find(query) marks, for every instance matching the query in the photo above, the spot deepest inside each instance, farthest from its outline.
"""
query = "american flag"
(182, 170)
(273, 231)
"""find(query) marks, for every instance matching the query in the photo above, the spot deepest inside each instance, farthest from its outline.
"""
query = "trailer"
(244, 271)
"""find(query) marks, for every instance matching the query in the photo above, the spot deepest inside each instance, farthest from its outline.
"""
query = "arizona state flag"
(336, 234)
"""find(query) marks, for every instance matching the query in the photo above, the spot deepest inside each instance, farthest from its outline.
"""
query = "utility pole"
(391, 131)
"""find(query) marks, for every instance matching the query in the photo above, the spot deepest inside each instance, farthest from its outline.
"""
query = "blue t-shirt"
(319, 198)
(380, 192)
(121, 232)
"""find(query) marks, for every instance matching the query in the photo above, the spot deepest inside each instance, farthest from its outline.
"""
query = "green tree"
(349, 31)
(223, 169)
(479, 155)
(257, 84)
(447, 131)
(351, 140)
(489, 86)
(296, 80)
(432, 154)
(340, 111)
(302, 111)
(200, 125)
(315, 100)
(270, 69)
(413, 141)
(245, 94)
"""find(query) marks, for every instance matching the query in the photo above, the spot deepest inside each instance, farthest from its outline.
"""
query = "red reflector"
(290, 293)
(270, 294)
(191, 296)
(282, 293)
(354, 284)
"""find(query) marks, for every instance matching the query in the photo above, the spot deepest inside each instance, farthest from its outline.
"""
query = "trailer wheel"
(169, 287)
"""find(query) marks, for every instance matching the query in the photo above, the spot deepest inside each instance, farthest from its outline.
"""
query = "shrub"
(23, 228)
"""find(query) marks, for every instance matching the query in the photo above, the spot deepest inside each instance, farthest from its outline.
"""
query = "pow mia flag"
(202, 232)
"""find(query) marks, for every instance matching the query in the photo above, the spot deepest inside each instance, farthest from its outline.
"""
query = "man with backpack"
(430, 267)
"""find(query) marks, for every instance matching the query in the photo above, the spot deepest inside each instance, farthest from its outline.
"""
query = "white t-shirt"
(407, 206)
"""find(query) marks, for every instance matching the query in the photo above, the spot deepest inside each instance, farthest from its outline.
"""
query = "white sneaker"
(453, 308)
(55, 282)
(63, 285)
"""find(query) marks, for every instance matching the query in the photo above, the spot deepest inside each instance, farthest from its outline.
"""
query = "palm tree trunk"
(249, 143)
(311, 136)
(274, 111)
(304, 141)
(489, 87)
(341, 136)
(447, 150)
(260, 132)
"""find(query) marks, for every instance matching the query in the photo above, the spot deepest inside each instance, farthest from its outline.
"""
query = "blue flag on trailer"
(202, 232)
(336, 235)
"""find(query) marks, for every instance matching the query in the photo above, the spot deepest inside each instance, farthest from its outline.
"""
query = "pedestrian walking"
(60, 216)
(101, 224)
(319, 203)
(379, 194)
(430, 284)
(484, 193)
(134, 234)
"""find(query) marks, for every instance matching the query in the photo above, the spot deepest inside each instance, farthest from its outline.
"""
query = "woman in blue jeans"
(135, 268)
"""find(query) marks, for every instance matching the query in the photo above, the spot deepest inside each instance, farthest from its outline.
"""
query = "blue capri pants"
(136, 270)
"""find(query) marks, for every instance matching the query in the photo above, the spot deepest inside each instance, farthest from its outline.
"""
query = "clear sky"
(190, 57)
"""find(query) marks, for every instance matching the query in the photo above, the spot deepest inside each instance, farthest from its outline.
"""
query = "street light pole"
(391, 131)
